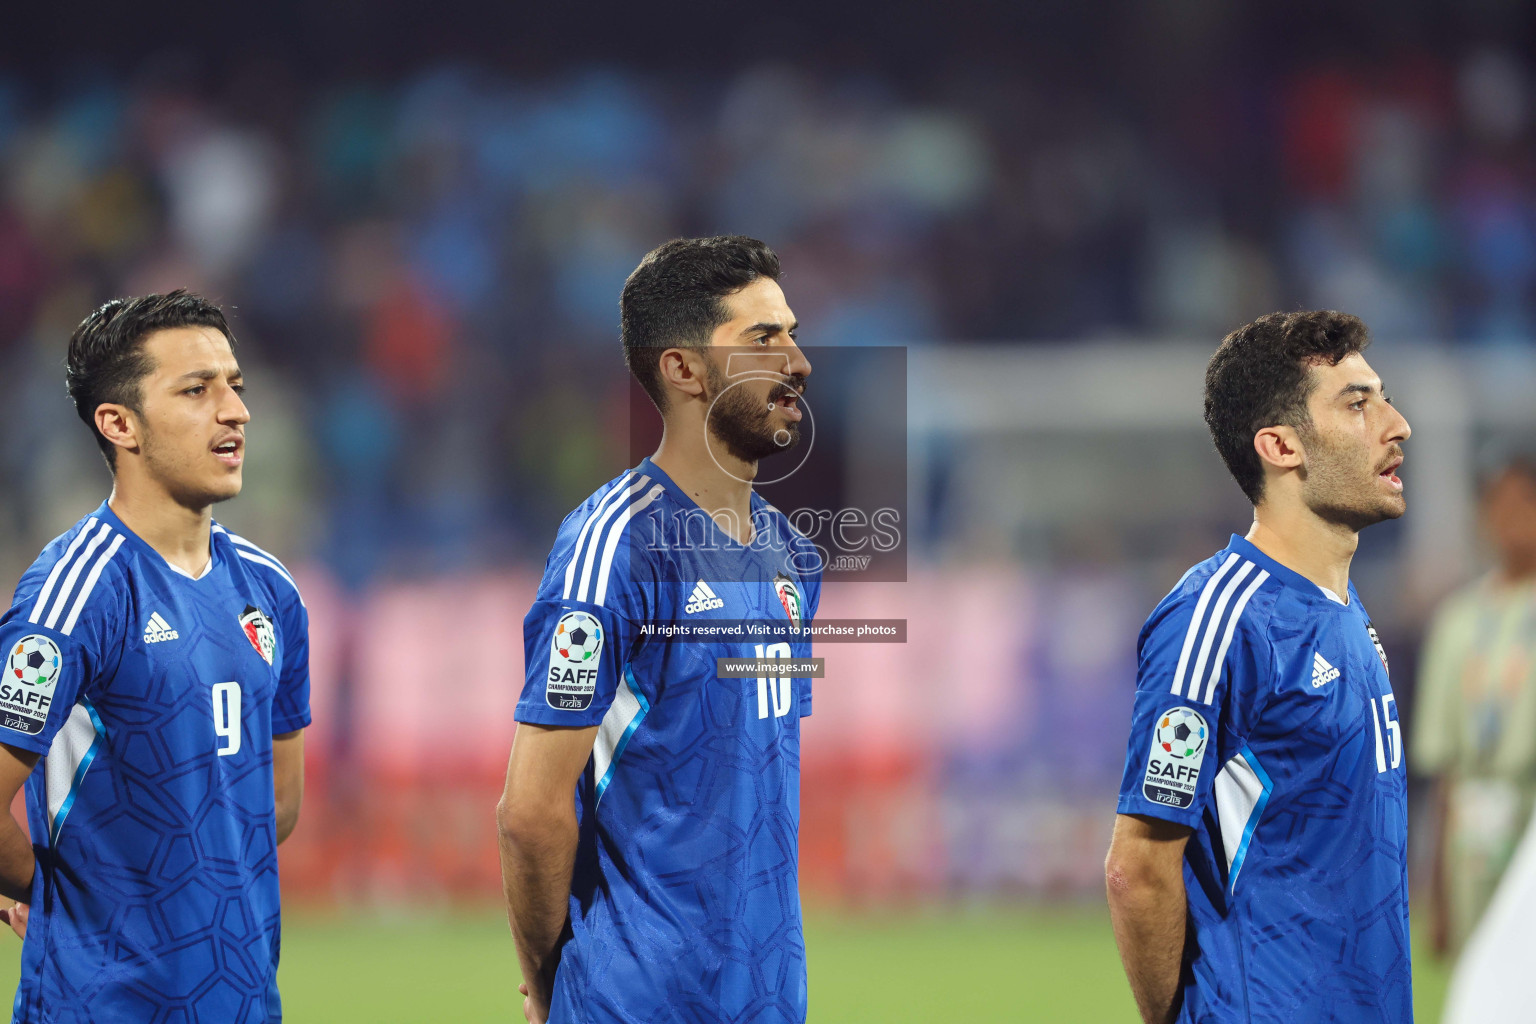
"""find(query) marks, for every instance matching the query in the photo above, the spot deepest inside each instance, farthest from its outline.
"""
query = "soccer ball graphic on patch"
(578, 638)
(1181, 733)
(35, 661)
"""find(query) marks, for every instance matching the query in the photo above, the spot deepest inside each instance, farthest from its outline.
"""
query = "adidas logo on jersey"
(703, 599)
(1322, 672)
(157, 630)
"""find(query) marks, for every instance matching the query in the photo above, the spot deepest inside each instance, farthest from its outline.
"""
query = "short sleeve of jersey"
(599, 585)
(1188, 681)
(51, 656)
(577, 640)
(574, 652)
(290, 705)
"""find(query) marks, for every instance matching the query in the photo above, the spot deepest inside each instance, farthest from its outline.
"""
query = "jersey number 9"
(226, 717)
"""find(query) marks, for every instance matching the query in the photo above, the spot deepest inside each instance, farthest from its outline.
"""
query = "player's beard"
(170, 468)
(743, 423)
(1342, 486)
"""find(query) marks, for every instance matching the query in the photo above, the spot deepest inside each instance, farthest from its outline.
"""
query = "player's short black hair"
(1261, 376)
(106, 361)
(672, 299)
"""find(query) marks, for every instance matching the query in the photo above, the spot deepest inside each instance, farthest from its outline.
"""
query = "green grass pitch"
(1054, 965)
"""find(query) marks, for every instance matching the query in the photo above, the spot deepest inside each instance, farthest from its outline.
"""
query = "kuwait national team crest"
(258, 630)
(1381, 652)
(789, 597)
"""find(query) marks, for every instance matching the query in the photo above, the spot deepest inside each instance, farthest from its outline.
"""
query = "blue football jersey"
(1265, 721)
(685, 903)
(153, 698)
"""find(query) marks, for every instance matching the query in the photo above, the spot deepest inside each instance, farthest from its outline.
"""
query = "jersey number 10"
(226, 717)
(775, 686)
(1394, 734)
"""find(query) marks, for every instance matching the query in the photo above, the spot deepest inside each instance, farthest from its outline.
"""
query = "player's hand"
(536, 1013)
(16, 917)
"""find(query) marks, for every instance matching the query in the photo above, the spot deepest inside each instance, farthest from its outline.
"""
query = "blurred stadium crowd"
(423, 268)
(407, 257)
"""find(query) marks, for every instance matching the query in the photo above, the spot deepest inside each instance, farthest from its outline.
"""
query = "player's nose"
(799, 365)
(232, 409)
(1397, 427)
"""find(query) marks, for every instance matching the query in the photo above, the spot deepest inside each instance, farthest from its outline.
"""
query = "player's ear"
(118, 425)
(1279, 446)
(683, 369)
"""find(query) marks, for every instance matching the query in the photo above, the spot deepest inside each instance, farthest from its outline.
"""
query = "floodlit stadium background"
(420, 227)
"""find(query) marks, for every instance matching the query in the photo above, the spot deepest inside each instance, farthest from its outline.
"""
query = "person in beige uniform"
(1475, 724)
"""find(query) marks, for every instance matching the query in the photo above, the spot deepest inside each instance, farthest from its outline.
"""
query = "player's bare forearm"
(538, 852)
(1149, 929)
(537, 835)
(287, 780)
(17, 861)
(1144, 882)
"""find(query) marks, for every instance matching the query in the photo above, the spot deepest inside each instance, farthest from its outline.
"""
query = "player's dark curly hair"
(107, 364)
(672, 299)
(1261, 376)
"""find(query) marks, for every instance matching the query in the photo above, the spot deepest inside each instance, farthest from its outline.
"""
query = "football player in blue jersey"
(1258, 870)
(155, 686)
(667, 889)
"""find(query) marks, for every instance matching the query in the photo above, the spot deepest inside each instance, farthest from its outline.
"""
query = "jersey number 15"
(1394, 734)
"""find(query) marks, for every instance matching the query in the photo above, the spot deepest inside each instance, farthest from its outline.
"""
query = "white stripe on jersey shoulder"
(602, 524)
(59, 607)
(1235, 576)
(1198, 673)
(1226, 639)
(251, 553)
(1195, 623)
(615, 532)
(90, 584)
(60, 566)
(614, 493)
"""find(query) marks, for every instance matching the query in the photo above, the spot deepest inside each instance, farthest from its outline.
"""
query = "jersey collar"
(1243, 546)
(655, 472)
(104, 512)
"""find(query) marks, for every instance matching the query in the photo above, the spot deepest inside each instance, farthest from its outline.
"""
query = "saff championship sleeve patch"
(573, 661)
(1179, 737)
(26, 692)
